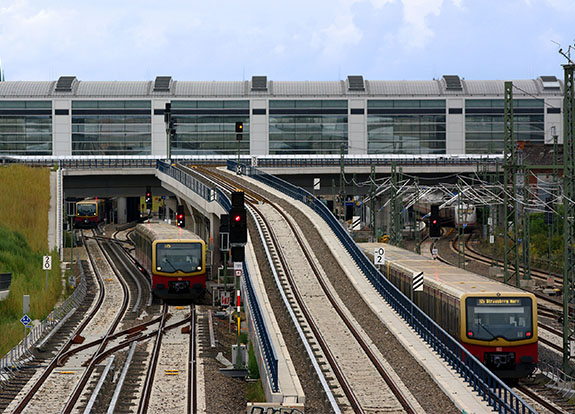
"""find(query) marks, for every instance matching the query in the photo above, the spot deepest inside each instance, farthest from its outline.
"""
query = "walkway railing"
(16, 358)
(198, 187)
(263, 337)
(492, 389)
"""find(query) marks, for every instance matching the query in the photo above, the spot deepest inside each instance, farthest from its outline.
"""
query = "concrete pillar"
(122, 210)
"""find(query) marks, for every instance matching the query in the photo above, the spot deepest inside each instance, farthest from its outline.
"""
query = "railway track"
(75, 379)
(357, 376)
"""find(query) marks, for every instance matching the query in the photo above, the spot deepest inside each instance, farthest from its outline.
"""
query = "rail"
(13, 360)
(488, 386)
(268, 351)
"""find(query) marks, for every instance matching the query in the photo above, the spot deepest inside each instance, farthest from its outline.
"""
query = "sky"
(297, 40)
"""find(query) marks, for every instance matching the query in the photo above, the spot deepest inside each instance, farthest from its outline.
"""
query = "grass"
(255, 391)
(24, 204)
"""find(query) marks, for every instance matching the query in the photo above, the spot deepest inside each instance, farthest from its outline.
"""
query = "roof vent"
(355, 83)
(550, 82)
(452, 82)
(259, 83)
(162, 83)
(65, 84)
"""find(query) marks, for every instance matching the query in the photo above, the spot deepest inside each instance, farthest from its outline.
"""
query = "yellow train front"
(89, 213)
(500, 329)
(496, 323)
(174, 258)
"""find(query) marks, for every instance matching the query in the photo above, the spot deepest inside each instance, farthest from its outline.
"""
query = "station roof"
(260, 86)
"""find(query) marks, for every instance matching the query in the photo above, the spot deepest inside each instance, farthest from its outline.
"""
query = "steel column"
(568, 212)
(510, 241)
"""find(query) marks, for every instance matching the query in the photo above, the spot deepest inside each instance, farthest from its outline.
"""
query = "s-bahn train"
(496, 323)
(89, 213)
(174, 258)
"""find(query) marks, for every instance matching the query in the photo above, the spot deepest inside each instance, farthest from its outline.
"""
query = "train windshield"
(86, 209)
(185, 257)
(499, 317)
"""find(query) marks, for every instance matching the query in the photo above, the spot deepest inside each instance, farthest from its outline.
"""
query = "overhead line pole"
(568, 212)
(510, 246)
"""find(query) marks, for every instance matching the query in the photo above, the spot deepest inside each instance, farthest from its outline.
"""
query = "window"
(489, 318)
(406, 126)
(310, 126)
(184, 257)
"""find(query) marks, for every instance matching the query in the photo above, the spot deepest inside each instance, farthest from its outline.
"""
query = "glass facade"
(26, 127)
(111, 127)
(307, 126)
(484, 123)
(406, 126)
(209, 127)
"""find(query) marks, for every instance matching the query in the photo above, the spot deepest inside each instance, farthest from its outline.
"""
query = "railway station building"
(450, 115)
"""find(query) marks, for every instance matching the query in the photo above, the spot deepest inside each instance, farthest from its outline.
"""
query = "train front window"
(490, 318)
(185, 257)
(86, 210)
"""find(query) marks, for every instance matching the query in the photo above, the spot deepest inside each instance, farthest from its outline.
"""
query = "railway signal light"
(180, 217)
(149, 197)
(224, 232)
(434, 223)
(238, 220)
(239, 130)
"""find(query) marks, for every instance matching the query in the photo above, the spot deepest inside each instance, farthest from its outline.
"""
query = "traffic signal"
(180, 217)
(434, 223)
(149, 197)
(239, 130)
(238, 220)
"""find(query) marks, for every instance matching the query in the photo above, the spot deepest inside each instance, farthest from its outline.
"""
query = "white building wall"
(159, 139)
(61, 128)
(357, 127)
(455, 127)
(259, 131)
(555, 120)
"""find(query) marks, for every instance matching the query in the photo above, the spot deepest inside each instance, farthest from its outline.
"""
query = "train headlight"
(159, 268)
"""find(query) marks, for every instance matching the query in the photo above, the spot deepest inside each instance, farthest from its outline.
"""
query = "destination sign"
(499, 301)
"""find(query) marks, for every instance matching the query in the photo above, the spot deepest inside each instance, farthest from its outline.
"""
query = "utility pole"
(460, 234)
(568, 212)
(526, 221)
(395, 204)
(342, 183)
(372, 202)
(510, 241)
(417, 233)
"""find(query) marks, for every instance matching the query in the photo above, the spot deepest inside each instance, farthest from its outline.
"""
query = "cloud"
(416, 32)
